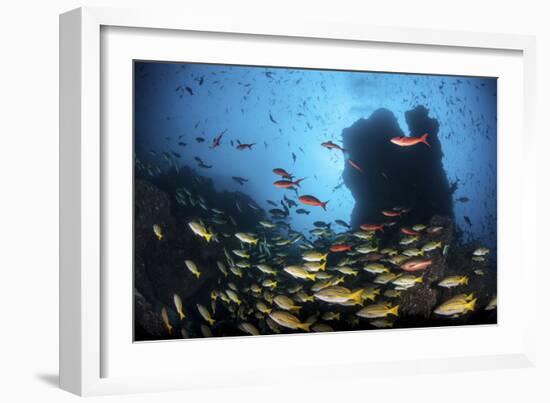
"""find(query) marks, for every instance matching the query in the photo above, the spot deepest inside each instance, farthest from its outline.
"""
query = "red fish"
(372, 227)
(391, 213)
(330, 145)
(416, 264)
(313, 201)
(340, 247)
(355, 165)
(410, 141)
(245, 146)
(281, 172)
(217, 140)
(288, 184)
(408, 231)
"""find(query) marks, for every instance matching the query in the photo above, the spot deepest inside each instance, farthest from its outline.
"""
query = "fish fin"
(208, 237)
(254, 243)
(311, 276)
(198, 274)
(394, 310)
(424, 139)
(324, 205)
(297, 182)
(470, 305)
(211, 321)
(323, 266)
(357, 296)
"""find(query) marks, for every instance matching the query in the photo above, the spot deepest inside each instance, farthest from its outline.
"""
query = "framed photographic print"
(257, 194)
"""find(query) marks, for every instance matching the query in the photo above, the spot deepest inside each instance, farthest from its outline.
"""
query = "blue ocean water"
(287, 113)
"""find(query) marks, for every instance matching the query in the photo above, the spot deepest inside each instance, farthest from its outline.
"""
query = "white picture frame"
(86, 346)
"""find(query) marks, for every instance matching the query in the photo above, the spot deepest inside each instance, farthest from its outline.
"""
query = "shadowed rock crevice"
(392, 176)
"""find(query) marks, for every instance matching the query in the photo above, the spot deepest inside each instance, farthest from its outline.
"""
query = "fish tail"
(419, 279)
(323, 266)
(304, 326)
(470, 305)
(324, 257)
(424, 139)
(208, 237)
(394, 310)
(198, 274)
(254, 242)
(211, 321)
(357, 296)
(181, 315)
(297, 182)
(311, 276)
(324, 205)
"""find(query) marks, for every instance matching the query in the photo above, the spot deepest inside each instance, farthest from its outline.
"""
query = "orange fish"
(282, 172)
(355, 165)
(340, 247)
(391, 213)
(410, 141)
(330, 145)
(372, 227)
(287, 184)
(408, 231)
(416, 264)
(245, 146)
(313, 201)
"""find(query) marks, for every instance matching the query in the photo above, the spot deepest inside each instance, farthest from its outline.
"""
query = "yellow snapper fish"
(376, 268)
(389, 251)
(267, 224)
(179, 306)
(264, 268)
(385, 278)
(313, 256)
(269, 283)
(412, 252)
(158, 231)
(262, 307)
(478, 259)
(286, 319)
(236, 270)
(370, 293)
(348, 271)
(380, 310)
(299, 272)
(315, 266)
(408, 240)
(392, 293)
(200, 230)
(407, 281)
(302, 296)
(233, 296)
(366, 248)
(339, 295)
(193, 268)
(453, 281)
(246, 237)
(420, 227)
(166, 320)
(455, 307)
(205, 314)
(241, 253)
(328, 316)
(249, 328)
(430, 246)
(363, 235)
(268, 296)
(492, 304)
(283, 302)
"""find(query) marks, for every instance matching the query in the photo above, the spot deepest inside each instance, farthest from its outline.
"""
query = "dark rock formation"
(393, 176)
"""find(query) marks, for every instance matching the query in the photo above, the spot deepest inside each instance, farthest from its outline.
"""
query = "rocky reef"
(393, 175)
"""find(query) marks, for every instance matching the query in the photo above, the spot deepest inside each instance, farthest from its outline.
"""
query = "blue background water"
(310, 107)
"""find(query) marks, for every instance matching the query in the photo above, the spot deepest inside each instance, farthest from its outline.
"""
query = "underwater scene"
(273, 200)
